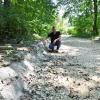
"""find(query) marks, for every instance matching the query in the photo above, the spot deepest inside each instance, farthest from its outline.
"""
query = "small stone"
(6, 63)
(79, 91)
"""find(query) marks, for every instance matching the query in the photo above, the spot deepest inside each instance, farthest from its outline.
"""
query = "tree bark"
(95, 29)
(6, 3)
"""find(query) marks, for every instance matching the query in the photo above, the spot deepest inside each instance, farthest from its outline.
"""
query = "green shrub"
(78, 33)
(71, 31)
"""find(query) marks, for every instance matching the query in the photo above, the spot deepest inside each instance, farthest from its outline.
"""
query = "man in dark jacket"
(55, 37)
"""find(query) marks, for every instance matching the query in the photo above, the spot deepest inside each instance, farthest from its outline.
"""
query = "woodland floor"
(71, 74)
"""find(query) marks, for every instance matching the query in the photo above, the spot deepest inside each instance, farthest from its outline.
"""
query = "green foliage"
(83, 16)
(75, 33)
(83, 26)
(23, 18)
(9, 52)
(72, 31)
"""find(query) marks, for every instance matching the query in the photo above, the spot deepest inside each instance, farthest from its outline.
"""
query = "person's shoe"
(56, 51)
(50, 51)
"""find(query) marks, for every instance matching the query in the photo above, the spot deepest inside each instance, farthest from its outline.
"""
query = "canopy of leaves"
(81, 14)
(23, 18)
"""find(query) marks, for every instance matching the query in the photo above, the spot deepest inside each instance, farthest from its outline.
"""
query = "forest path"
(71, 74)
(86, 50)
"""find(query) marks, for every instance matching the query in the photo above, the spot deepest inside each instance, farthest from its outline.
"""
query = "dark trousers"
(52, 45)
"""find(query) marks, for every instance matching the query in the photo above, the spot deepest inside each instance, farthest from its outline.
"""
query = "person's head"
(53, 29)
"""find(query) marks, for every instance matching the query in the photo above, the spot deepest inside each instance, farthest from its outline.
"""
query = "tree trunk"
(95, 29)
(6, 3)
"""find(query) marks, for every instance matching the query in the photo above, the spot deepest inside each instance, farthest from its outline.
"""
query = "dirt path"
(87, 51)
(72, 74)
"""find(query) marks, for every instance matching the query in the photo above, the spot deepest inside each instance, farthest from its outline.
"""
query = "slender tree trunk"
(6, 6)
(6, 3)
(95, 29)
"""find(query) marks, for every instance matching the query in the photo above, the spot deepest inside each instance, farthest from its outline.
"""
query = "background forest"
(30, 19)
(84, 16)
(21, 19)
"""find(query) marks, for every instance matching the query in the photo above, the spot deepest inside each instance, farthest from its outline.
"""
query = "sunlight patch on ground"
(29, 65)
(8, 46)
(70, 50)
(10, 92)
(98, 70)
(65, 36)
(98, 57)
(22, 48)
(28, 56)
(7, 72)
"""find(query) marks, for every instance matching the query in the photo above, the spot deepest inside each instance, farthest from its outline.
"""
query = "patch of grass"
(9, 52)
